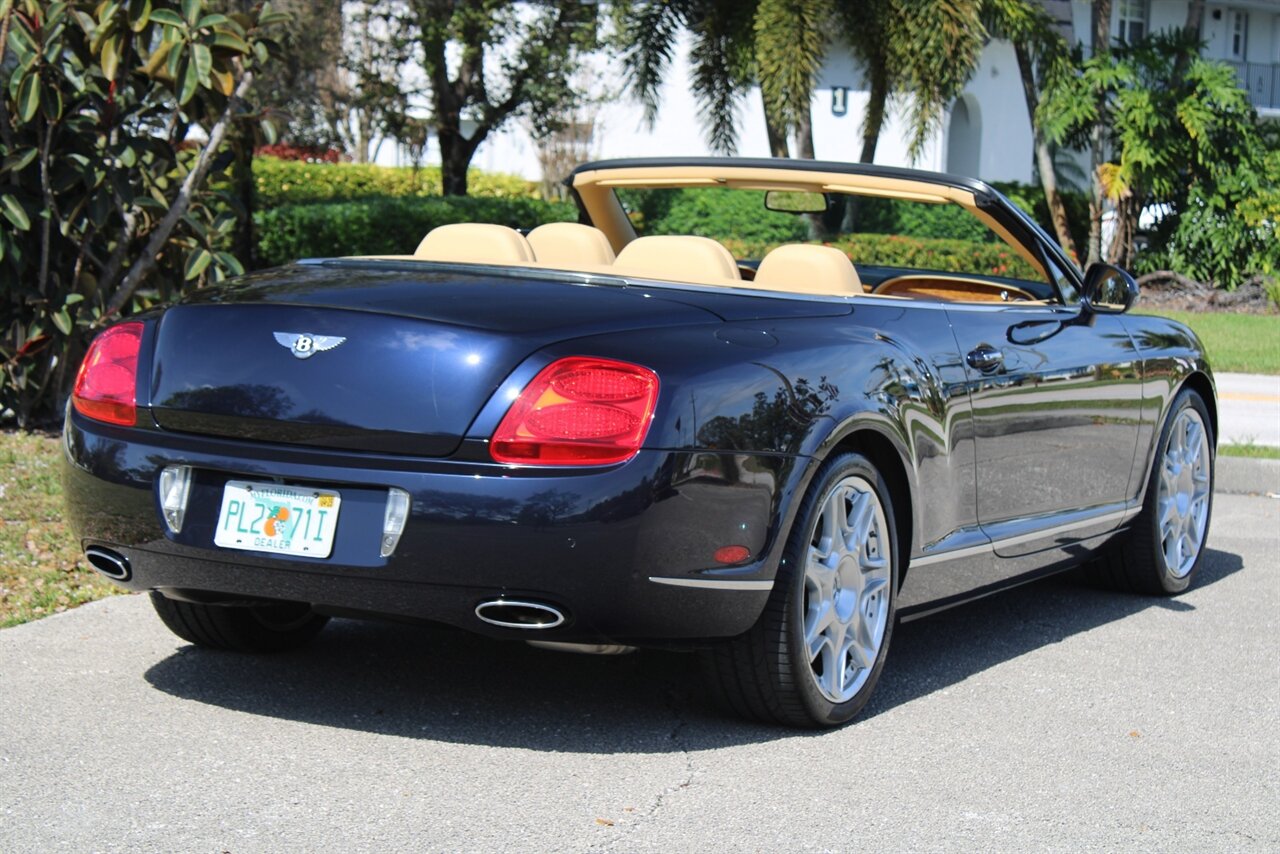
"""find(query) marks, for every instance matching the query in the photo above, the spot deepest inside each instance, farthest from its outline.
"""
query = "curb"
(1244, 476)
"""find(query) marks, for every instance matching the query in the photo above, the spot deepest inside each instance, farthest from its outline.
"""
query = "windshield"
(883, 237)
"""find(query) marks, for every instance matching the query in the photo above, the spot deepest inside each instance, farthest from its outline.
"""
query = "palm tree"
(791, 38)
(1038, 46)
(923, 50)
(778, 43)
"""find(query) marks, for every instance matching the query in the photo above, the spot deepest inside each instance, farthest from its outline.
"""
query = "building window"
(1238, 37)
(1131, 15)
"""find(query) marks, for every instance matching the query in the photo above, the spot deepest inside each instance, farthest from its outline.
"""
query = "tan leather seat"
(477, 243)
(678, 258)
(808, 269)
(570, 244)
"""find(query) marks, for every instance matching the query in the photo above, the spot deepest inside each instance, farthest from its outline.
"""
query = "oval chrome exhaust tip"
(519, 614)
(111, 564)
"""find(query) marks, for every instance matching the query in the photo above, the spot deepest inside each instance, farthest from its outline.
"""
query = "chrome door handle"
(984, 357)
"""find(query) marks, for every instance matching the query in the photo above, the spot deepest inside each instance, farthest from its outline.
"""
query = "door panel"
(1057, 404)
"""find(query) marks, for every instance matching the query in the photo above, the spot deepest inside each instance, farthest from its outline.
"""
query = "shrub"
(925, 253)
(386, 226)
(293, 182)
(1030, 197)
(718, 214)
(918, 219)
(103, 204)
(305, 153)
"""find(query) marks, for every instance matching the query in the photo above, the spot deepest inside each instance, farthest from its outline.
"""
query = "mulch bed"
(1165, 289)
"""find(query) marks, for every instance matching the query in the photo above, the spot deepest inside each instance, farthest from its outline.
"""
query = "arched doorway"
(964, 138)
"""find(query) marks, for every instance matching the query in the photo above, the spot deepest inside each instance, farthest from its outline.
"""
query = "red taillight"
(106, 385)
(578, 412)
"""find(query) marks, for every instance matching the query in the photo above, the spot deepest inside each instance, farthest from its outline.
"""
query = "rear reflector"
(732, 554)
(579, 411)
(106, 386)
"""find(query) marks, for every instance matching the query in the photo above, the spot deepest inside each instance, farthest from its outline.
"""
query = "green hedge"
(282, 182)
(919, 219)
(714, 213)
(925, 253)
(1030, 197)
(386, 226)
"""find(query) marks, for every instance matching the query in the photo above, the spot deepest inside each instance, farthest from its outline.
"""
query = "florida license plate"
(286, 520)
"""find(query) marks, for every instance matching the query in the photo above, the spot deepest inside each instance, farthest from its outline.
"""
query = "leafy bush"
(925, 253)
(386, 226)
(1030, 197)
(918, 219)
(718, 214)
(305, 153)
(1225, 232)
(741, 215)
(103, 204)
(294, 182)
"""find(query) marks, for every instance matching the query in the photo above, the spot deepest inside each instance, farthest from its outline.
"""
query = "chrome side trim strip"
(1117, 516)
(713, 583)
(954, 554)
(1114, 516)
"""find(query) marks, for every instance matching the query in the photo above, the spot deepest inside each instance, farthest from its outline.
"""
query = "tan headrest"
(808, 269)
(678, 258)
(570, 244)
(477, 243)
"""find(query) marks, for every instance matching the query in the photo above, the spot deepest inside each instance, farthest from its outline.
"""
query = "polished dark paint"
(756, 391)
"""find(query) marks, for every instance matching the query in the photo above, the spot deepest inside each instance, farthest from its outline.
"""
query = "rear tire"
(1165, 544)
(815, 654)
(259, 628)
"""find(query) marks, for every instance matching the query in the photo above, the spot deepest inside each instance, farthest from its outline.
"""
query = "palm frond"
(646, 35)
(791, 38)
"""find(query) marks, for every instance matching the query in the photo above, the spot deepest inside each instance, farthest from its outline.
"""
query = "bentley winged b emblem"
(304, 345)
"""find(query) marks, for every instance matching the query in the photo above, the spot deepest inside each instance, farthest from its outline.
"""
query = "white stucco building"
(986, 134)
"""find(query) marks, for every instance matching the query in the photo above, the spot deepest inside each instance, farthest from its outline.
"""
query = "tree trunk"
(1097, 136)
(1044, 155)
(877, 98)
(243, 139)
(455, 157)
(1195, 16)
(1195, 24)
(1121, 251)
(777, 139)
(146, 263)
(804, 135)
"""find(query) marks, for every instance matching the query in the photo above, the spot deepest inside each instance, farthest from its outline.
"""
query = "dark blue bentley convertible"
(596, 437)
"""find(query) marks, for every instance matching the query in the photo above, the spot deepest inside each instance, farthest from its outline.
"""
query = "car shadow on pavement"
(438, 683)
(944, 649)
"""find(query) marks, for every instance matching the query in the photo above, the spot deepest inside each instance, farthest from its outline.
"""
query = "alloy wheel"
(846, 589)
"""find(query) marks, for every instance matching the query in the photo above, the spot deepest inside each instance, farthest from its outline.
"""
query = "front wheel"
(274, 627)
(814, 656)
(1165, 544)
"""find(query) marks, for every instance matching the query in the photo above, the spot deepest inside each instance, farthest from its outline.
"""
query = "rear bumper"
(585, 541)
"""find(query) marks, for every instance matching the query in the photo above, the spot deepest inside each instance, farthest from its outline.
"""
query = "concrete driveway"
(1053, 717)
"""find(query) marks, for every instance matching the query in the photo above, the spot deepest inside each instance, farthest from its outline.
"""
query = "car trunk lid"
(380, 362)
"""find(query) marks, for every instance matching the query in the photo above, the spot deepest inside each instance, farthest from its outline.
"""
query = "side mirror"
(1108, 290)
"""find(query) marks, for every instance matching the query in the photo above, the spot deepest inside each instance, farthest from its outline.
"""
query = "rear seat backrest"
(808, 269)
(476, 243)
(678, 259)
(570, 244)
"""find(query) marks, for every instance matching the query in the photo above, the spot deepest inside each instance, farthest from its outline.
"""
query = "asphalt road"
(1053, 717)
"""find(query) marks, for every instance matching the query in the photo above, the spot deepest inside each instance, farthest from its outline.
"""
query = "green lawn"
(41, 569)
(1252, 451)
(1248, 343)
